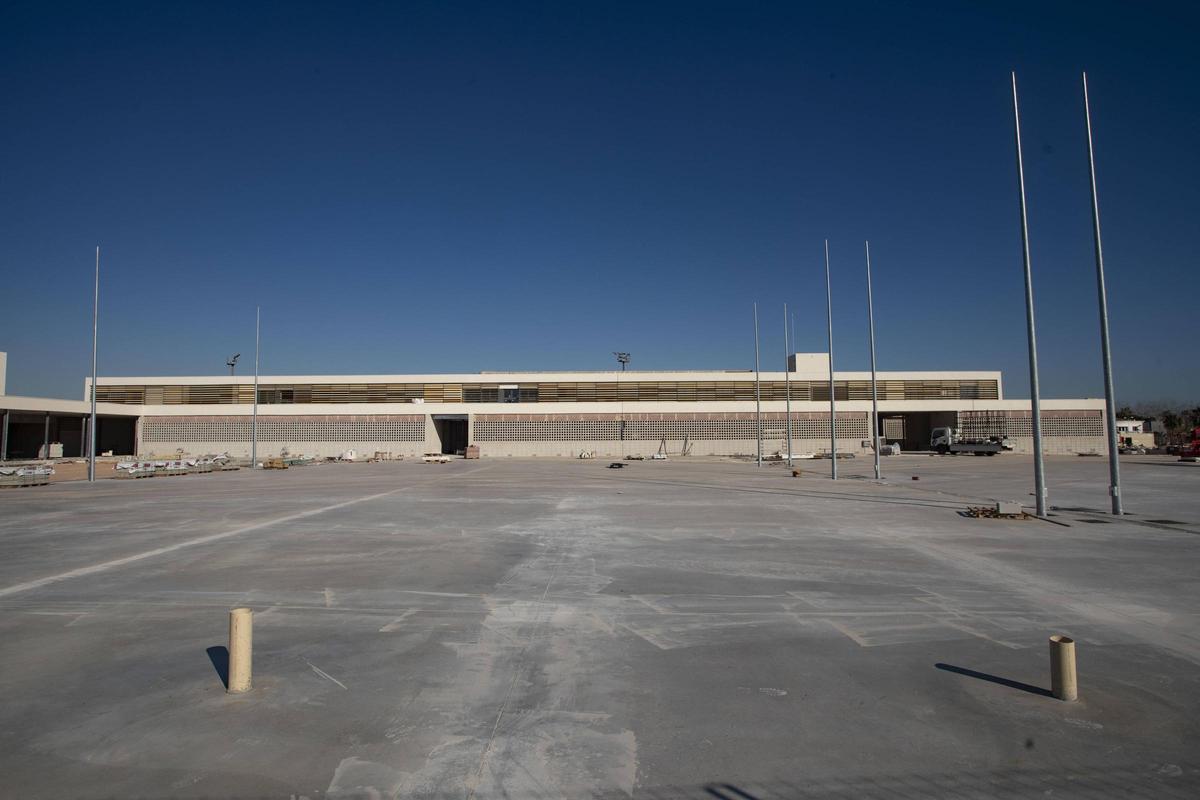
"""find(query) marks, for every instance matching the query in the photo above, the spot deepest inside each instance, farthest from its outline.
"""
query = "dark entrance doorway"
(912, 429)
(452, 431)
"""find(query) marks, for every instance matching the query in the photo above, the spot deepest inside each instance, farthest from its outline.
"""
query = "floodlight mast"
(874, 382)
(757, 393)
(622, 359)
(254, 413)
(1035, 399)
(787, 382)
(1110, 417)
(232, 362)
(91, 431)
(832, 389)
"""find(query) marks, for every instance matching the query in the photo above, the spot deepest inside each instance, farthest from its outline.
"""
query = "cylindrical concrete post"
(1062, 668)
(241, 623)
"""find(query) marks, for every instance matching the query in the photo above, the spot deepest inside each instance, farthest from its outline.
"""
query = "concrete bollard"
(1062, 668)
(241, 625)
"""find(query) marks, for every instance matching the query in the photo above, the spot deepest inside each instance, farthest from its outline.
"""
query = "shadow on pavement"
(983, 676)
(219, 656)
(725, 791)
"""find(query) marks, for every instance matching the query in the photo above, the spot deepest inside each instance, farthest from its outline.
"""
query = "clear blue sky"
(453, 186)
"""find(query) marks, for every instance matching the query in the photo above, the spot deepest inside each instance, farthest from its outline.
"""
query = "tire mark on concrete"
(518, 670)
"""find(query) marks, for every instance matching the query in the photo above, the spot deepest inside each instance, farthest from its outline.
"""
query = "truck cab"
(949, 440)
(942, 437)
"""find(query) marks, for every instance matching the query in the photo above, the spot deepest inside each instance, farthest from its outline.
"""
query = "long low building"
(610, 413)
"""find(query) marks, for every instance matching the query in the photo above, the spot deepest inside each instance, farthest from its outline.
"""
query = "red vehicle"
(1191, 451)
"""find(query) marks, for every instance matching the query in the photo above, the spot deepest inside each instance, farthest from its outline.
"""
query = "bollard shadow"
(983, 676)
(219, 656)
(726, 791)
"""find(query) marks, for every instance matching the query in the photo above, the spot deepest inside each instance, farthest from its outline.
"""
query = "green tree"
(1125, 412)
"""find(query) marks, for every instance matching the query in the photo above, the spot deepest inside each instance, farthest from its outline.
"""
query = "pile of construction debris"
(29, 475)
(1001, 510)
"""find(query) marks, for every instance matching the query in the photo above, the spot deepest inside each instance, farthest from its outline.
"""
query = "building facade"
(609, 413)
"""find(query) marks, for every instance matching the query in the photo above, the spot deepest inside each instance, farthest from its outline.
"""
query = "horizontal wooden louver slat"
(548, 392)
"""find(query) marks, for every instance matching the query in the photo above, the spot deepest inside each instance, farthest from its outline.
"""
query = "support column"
(83, 437)
(4, 439)
(46, 438)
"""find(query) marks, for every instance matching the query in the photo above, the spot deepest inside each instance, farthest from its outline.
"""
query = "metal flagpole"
(832, 392)
(787, 382)
(757, 389)
(1114, 469)
(1039, 469)
(254, 416)
(95, 329)
(874, 389)
(793, 331)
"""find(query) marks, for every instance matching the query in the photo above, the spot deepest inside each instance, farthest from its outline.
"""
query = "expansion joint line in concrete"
(104, 566)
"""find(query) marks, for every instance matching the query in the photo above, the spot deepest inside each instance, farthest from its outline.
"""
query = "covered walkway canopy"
(29, 426)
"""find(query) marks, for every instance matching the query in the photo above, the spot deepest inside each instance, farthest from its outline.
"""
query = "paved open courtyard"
(536, 628)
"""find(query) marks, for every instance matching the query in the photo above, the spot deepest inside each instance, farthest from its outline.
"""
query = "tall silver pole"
(757, 390)
(832, 392)
(95, 330)
(1039, 470)
(1114, 469)
(254, 416)
(787, 382)
(874, 386)
(793, 332)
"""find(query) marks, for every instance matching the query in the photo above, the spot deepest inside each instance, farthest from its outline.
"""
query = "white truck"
(949, 441)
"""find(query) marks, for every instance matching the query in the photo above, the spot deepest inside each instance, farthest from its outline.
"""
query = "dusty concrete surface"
(544, 629)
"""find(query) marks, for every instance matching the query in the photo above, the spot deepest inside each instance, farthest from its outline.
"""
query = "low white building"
(610, 413)
(1134, 433)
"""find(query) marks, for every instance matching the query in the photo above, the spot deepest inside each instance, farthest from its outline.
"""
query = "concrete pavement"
(543, 628)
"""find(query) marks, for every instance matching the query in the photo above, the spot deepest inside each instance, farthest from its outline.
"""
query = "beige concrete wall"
(1138, 439)
(732, 406)
(232, 433)
(646, 433)
(241, 449)
(712, 447)
(604, 448)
